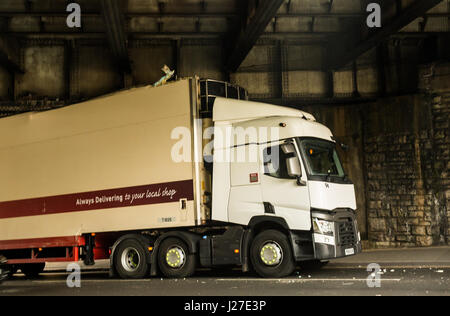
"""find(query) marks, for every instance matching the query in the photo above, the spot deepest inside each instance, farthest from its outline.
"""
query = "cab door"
(285, 195)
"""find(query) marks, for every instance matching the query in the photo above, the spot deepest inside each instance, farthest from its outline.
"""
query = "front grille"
(347, 234)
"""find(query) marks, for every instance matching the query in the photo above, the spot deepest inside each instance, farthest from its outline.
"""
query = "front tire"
(130, 260)
(174, 259)
(271, 255)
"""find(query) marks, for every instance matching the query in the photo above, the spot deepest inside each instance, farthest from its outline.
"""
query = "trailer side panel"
(100, 166)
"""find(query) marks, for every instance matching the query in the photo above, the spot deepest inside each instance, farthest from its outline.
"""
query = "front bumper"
(346, 240)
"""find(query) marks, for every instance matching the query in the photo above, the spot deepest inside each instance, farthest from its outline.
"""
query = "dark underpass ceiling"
(337, 26)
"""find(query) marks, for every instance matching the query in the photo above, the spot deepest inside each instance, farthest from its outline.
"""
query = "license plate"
(349, 251)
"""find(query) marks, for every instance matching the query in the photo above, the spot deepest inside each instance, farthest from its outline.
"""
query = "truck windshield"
(321, 158)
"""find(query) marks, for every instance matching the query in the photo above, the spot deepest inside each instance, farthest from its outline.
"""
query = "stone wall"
(399, 202)
(440, 178)
(407, 179)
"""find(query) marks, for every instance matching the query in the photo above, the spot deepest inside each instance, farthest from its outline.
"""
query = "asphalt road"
(332, 280)
(405, 272)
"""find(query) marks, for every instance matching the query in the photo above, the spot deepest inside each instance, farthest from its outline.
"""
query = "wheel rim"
(175, 257)
(131, 259)
(271, 254)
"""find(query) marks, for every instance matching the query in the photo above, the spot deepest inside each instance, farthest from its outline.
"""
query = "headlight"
(323, 227)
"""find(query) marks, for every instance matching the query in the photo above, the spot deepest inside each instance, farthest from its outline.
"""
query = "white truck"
(164, 180)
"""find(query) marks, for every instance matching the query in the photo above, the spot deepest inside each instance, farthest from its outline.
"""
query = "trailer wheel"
(174, 259)
(32, 270)
(130, 260)
(271, 255)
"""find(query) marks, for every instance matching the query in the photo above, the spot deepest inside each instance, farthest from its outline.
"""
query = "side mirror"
(288, 148)
(293, 167)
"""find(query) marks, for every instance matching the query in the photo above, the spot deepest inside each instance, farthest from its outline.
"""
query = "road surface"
(402, 272)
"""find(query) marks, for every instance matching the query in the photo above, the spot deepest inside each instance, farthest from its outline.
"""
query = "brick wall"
(440, 180)
(407, 162)
(400, 201)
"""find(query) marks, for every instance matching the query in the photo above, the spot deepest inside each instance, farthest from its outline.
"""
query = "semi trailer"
(165, 180)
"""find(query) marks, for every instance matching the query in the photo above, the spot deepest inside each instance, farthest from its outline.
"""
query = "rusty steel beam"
(258, 18)
(115, 31)
(348, 47)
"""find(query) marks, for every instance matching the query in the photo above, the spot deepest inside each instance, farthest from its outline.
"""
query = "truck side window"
(275, 162)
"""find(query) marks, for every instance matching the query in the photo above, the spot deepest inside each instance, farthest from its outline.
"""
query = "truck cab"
(276, 167)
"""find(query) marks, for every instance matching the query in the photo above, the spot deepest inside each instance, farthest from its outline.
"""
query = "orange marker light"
(236, 250)
(311, 151)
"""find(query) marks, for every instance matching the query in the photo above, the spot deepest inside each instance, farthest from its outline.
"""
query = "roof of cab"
(275, 128)
(238, 110)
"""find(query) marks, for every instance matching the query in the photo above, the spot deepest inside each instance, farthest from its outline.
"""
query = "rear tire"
(32, 270)
(271, 255)
(174, 259)
(130, 260)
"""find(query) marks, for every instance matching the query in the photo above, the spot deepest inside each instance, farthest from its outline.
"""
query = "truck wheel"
(174, 259)
(32, 270)
(130, 260)
(271, 255)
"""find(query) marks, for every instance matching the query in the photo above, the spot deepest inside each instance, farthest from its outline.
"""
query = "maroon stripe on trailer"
(97, 200)
(54, 242)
